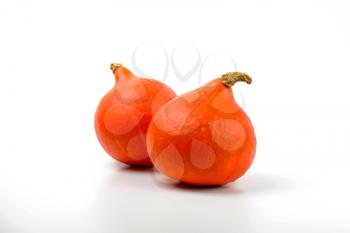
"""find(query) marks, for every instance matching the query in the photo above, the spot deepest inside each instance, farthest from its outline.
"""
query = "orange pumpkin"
(203, 137)
(123, 115)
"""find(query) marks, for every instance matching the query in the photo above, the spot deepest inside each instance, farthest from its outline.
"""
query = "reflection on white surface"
(134, 200)
(137, 199)
(142, 200)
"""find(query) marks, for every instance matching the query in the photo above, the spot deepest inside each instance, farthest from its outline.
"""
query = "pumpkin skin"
(123, 115)
(202, 137)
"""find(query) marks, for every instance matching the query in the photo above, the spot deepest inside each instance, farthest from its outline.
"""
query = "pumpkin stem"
(230, 78)
(115, 66)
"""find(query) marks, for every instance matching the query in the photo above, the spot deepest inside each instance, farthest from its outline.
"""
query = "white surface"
(54, 56)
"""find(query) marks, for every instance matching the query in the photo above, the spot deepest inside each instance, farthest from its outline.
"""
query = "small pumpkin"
(123, 115)
(203, 137)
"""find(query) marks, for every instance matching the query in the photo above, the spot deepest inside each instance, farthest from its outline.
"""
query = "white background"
(54, 58)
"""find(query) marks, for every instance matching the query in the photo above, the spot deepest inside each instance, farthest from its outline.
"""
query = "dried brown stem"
(230, 78)
(115, 66)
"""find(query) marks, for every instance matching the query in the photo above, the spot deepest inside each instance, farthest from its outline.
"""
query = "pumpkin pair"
(202, 137)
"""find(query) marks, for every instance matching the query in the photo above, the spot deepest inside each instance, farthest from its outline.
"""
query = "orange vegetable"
(124, 113)
(203, 137)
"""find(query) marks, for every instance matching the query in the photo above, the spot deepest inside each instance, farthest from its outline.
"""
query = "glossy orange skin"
(202, 137)
(123, 115)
